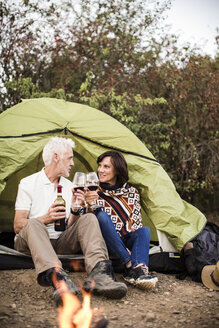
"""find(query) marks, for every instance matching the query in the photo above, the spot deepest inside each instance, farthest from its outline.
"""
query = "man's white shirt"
(36, 194)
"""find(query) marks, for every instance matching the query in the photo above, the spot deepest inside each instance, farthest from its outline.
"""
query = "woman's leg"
(138, 242)
(138, 275)
(113, 241)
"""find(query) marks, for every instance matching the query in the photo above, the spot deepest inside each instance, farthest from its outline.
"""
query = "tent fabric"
(25, 129)
(11, 259)
(164, 262)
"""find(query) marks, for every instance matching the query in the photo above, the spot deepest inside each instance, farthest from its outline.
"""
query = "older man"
(35, 214)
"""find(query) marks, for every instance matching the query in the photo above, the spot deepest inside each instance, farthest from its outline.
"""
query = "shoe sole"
(116, 293)
(155, 279)
(143, 284)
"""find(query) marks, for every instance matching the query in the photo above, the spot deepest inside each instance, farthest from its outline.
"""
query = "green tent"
(27, 127)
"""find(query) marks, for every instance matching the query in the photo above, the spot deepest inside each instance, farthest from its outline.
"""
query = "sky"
(195, 21)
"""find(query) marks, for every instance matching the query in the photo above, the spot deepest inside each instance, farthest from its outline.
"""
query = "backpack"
(205, 251)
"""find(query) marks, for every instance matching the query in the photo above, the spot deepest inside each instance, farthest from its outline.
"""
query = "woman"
(120, 220)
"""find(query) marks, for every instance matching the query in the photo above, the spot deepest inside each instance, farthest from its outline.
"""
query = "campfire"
(76, 314)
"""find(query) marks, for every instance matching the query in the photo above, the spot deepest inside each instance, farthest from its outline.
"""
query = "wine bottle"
(60, 224)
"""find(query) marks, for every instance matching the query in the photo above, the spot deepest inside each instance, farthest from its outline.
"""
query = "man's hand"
(78, 197)
(55, 212)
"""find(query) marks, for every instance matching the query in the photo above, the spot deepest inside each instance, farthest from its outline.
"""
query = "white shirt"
(36, 194)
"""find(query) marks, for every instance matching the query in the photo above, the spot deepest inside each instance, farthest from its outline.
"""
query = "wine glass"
(78, 184)
(92, 184)
(92, 181)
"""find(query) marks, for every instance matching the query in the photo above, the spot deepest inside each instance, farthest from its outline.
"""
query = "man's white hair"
(57, 145)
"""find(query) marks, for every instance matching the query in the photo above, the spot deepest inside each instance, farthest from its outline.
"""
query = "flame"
(73, 313)
(84, 316)
(66, 313)
(77, 265)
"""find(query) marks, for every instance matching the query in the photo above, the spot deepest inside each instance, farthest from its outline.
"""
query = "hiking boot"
(139, 276)
(104, 282)
(46, 279)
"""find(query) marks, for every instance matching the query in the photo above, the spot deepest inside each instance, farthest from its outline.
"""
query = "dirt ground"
(174, 303)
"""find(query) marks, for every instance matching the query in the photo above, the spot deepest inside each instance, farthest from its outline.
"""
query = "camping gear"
(164, 257)
(205, 251)
(210, 276)
(25, 129)
(166, 262)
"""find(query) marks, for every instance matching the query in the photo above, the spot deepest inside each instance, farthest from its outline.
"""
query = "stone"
(150, 316)
(166, 293)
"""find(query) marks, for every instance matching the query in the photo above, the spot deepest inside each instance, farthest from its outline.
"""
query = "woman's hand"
(90, 197)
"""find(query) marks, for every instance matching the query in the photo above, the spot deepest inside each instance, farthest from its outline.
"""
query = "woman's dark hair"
(119, 163)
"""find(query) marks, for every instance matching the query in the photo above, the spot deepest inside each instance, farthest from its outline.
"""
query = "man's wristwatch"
(79, 212)
(75, 212)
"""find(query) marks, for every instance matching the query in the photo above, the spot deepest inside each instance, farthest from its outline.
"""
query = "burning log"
(75, 314)
(102, 323)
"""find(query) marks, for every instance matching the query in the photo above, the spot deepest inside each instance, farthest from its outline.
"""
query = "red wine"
(93, 187)
(78, 188)
(59, 225)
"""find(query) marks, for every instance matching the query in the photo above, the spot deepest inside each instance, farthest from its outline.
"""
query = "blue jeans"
(137, 241)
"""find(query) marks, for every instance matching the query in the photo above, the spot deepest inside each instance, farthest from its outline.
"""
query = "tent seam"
(82, 137)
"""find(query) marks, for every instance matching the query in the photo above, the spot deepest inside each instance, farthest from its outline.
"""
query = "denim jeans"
(137, 241)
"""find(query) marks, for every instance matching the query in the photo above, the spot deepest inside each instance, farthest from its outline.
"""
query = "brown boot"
(105, 284)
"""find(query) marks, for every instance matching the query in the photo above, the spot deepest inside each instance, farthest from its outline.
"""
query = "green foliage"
(141, 115)
(54, 93)
(193, 99)
(105, 38)
(26, 42)
(25, 88)
(125, 108)
(21, 88)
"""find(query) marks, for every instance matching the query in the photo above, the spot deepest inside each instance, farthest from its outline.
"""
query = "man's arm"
(53, 214)
(20, 219)
(72, 219)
